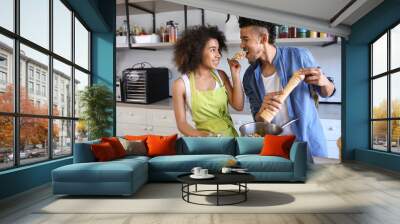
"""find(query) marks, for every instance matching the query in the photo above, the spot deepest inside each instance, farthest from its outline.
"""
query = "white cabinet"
(162, 118)
(131, 115)
(332, 131)
(140, 121)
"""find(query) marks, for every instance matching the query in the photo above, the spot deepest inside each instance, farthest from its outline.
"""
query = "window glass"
(39, 62)
(6, 142)
(6, 75)
(379, 97)
(34, 80)
(62, 91)
(379, 135)
(62, 138)
(395, 136)
(81, 82)
(7, 14)
(33, 139)
(395, 95)
(81, 45)
(395, 47)
(379, 56)
(62, 29)
(35, 21)
(81, 131)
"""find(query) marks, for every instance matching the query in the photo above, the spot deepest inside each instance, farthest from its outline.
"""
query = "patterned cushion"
(134, 147)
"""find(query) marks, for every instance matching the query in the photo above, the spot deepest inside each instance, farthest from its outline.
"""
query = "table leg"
(182, 190)
(188, 190)
(196, 188)
(245, 193)
(217, 194)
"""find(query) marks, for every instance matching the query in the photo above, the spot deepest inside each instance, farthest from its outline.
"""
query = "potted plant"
(96, 102)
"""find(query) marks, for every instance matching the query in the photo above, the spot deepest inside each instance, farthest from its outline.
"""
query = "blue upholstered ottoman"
(118, 177)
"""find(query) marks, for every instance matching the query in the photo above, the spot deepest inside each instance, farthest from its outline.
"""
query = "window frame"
(16, 114)
(388, 74)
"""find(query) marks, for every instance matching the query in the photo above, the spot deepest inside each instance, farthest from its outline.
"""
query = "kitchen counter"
(166, 104)
(326, 111)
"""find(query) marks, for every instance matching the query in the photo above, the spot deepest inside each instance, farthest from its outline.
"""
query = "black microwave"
(145, 85)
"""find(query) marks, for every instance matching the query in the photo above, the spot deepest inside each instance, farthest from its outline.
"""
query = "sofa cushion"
(206, 145)
(134, 147)
(116, 145)
(136, 137)
(132, 157)
(112, 171)
(103, 152)
(161, 145)
(277, 145)
(185, 163)
(257, 163)
(249, 145)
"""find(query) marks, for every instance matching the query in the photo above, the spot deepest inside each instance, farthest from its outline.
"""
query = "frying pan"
(263, 128)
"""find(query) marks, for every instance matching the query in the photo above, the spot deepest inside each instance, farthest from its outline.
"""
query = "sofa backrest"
(83, 152)
(209, 145)
(248, 145)
(189, 146)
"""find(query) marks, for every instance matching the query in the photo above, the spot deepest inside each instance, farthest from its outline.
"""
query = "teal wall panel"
(89, 11)
(24, 178)
(103, 53)
(356, 98)
(380, 159)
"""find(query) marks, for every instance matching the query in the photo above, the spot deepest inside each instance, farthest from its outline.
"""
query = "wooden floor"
(378, 189)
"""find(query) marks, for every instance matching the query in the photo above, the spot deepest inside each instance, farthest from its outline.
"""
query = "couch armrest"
(298, 155)
(83, 152)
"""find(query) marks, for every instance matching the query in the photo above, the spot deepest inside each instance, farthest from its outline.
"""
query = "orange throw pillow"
(277, 145)
(103, 152)
(116, 145)
(161, 145)
(136, 137)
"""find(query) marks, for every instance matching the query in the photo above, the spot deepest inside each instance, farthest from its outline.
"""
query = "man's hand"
(314, 76)
(271, 102)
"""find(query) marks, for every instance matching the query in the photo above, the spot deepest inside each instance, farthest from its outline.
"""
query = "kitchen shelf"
(279, 42)
(155, 6)
(148, 45)
(296, 41)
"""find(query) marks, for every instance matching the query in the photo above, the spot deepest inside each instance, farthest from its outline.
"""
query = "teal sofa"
(125, 176)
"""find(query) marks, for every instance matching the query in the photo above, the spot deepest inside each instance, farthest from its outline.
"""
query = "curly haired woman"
(202, 88)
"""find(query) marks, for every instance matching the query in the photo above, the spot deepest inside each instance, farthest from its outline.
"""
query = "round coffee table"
(238, 179)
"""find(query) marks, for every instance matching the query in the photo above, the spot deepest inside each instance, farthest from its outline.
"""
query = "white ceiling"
(311, 14)
(321, 9)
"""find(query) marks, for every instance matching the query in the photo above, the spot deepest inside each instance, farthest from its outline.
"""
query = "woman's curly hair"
(189, 48)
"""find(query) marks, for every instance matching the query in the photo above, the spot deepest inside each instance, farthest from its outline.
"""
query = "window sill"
(26, 167)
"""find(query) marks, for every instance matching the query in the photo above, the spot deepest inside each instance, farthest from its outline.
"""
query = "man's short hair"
(245, 22)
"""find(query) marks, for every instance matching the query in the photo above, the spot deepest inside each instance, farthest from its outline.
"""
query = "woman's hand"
(204, 134)
(234, 66)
